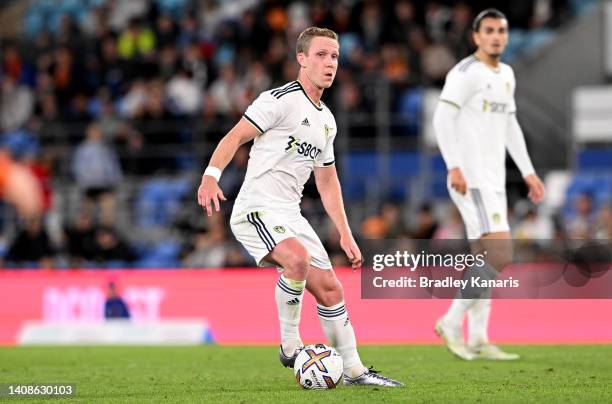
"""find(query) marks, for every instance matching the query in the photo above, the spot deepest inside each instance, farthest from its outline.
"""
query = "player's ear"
(476, 38)
(301, 58)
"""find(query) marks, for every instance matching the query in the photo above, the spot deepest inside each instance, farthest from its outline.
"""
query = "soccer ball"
(318, 367)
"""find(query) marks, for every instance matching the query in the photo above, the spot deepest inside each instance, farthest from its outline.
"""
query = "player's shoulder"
(281, 92)
(466, 66)
(506, 69)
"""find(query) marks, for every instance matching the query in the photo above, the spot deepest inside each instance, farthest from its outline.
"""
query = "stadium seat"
(159, 200)
(164, 254)
(595, 159)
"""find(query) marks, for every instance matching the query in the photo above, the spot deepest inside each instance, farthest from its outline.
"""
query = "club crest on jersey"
(279, 229)
(508, 87)
(496, 217)
(328, 130)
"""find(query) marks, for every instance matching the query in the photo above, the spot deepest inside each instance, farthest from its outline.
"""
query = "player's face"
(321, 62)
(492, 37)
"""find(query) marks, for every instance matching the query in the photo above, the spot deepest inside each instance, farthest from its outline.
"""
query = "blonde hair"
(303, 41)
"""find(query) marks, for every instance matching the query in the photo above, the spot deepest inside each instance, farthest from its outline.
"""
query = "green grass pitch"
(216, 374)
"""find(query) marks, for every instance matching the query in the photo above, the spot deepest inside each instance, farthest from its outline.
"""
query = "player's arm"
(457, 90)
(209, 189)
(444, 126)
(515, 143)
(328, 186)
(23, 190)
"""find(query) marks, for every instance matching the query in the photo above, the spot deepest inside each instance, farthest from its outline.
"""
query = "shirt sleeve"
(458, 88)
(264, 112)
(515, 143)
(512, 84)
(326, 158)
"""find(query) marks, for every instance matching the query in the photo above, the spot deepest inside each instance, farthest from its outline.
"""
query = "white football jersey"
(485, 98)
(296, 136)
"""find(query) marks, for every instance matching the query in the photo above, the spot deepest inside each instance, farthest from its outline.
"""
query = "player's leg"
(293, 258)
(499, 254)
(450, 325)
(496, 241)
(327, 291)
(267, 238)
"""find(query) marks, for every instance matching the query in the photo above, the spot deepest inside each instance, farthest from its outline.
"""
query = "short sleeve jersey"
(296, 135)
(485, 99)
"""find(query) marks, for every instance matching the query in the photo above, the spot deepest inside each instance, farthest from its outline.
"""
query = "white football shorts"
(483, 211)
(259, 232)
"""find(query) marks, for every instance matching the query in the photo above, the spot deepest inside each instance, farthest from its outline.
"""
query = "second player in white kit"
(475, 124)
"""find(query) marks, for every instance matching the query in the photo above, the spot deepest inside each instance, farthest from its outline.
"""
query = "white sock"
(478, 322)
(289, 295)
(339, 331)
(456, 312)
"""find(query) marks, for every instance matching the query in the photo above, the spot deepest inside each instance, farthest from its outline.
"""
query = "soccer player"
(293, 133)
(475, 123)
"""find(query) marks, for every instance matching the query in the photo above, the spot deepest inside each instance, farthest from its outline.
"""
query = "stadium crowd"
(107, 93)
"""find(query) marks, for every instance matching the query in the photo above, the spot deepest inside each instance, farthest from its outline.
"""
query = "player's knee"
(298, 263)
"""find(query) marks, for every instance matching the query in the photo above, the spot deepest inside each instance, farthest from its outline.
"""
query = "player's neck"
(313, 92)
(488, 60)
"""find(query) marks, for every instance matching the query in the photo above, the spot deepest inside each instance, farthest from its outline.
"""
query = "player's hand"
(349, 246)
(536, 188)
(457, 181)
(209, 191)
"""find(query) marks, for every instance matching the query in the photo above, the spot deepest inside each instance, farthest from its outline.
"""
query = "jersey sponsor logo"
(292, 144)
(494, 107)
(303, 148)
(279, 229)
(305, 122)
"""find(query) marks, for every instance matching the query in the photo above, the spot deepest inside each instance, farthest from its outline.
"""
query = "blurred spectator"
(233, 175)
(80, 243)
(603, 226)
(194, 63)
(97, 172)
(208, 249)
(387, 224)
(16, 105)
(392, 215)
(115, 307)
(184, 93)
(32, 245)
(459, 34)
(137, 40)
(581, 225)
(402, 21)
(227, 93)
(533, 227)
(426, 225)
(12, 63)
(109, 247)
